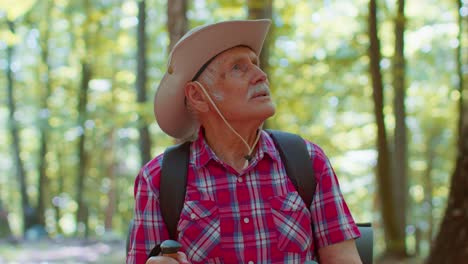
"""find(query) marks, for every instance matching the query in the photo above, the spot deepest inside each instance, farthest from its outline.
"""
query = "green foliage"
(16, 10)
(319, 78)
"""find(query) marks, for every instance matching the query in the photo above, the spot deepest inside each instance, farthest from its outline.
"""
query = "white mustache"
(261, 88)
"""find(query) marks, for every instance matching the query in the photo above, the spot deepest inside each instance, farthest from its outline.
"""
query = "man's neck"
(227, 145)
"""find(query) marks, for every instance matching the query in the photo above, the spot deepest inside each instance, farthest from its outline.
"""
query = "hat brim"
(188, 56)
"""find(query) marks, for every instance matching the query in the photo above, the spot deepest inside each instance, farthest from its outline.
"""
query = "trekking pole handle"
(170, 248)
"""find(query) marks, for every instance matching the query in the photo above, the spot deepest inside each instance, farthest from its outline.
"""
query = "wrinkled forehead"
(225, 56)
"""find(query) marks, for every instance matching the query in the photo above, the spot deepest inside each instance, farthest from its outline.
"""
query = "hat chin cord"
(247, 157)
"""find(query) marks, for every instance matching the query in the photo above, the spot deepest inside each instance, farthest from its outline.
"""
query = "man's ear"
(194, 96)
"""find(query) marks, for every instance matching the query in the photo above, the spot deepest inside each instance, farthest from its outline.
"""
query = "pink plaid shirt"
(255, 216)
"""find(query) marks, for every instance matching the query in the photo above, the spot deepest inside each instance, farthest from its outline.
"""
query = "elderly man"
(238, 195)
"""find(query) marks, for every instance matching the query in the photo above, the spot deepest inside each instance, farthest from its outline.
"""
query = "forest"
(381, 86)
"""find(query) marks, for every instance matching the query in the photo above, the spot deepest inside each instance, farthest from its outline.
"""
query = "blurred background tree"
(450, 244)
(378, 84)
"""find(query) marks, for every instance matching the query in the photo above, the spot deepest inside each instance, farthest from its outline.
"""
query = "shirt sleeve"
(332, 220)
(148, 228)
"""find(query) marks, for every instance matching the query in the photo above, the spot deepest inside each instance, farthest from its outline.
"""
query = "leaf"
(17, 9)
(9, 37)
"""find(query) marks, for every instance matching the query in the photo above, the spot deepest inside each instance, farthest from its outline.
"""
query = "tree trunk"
(383, 173)
(462, 59)
(177, 23)
(428, 187)
(259, 9)
(60, 189)
(112, 174)
(110, 148)
(28, 214)
(111, 164)
(176, 20)
(400, 157)
(43, 180)
(82, 154)
(44, 120)
(144, 139)
(450, 245)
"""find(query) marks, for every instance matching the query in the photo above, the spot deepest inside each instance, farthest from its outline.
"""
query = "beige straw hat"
(189, 54)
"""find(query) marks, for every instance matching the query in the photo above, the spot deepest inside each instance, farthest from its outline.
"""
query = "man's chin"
(272, 113)
(264, 115)
(272, 110)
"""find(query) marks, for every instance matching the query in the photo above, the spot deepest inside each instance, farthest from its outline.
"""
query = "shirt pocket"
(292, 222)
(199, 230)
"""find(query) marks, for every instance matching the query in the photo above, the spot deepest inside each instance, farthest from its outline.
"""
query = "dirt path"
(67, 251)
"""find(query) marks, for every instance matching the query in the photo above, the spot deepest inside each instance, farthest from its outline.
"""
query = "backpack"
(296, 159)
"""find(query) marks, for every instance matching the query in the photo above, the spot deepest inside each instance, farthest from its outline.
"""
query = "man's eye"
(240, 67)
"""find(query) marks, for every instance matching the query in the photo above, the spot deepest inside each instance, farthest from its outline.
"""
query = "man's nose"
(259, 76)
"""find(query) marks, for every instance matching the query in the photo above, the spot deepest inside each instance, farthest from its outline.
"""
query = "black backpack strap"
(173, 185)
(296, 160)
(172, 188)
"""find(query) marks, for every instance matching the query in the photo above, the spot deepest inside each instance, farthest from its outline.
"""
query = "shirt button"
(247, 220)
(193, 216)
(240, 179)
